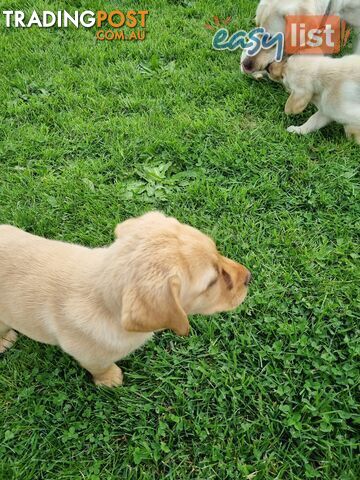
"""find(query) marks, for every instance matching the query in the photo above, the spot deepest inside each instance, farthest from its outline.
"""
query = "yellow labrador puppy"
(271, 15)
(100, 304)
(332, 84)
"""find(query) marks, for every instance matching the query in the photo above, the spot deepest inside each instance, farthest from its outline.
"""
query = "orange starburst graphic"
(345, 33)
(217, 23)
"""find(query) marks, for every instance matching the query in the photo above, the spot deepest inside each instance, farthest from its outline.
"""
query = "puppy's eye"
(227, 279)
(212, 283)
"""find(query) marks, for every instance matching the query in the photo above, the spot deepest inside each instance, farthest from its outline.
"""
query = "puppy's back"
(347, 62)
(12, 242)
(8, 232)
(24, 255)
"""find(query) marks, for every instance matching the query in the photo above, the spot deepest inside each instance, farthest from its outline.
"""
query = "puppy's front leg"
(353, 132)
(7, 337)
(111, 376)
(94, 359)
(317, 121)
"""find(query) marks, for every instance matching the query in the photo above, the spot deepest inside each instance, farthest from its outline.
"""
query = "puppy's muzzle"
(248, 65)
(248, 279)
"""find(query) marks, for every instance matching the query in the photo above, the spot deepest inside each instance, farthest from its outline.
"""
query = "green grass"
(93, 133)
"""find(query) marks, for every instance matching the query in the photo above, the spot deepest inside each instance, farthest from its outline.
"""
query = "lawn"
(95, 132)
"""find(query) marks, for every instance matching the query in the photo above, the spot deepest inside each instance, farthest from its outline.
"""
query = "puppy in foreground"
(100, 304)
(332, 84)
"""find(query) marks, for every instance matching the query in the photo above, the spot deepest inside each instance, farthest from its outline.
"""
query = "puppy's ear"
(276, 70)
(297, 102)
(154, 308)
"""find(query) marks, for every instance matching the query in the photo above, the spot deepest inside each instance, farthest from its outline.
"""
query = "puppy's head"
(271, 15)
(277, 71)
(256, 65)
(172, 270)
(298, 74)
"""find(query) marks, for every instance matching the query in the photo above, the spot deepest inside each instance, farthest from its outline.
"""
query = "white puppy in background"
(271, 15)
(332, 84)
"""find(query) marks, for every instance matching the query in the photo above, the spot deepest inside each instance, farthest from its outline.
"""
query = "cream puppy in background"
(100, 304)
(332, 84)
(271, 15)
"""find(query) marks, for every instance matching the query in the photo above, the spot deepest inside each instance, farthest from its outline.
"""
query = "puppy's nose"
(248, 64)
(248, 279)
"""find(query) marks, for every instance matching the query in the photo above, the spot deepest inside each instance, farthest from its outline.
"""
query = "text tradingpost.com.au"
(114, 25)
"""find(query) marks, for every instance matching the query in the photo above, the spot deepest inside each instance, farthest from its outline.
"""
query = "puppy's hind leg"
(7, 337)
(317, 121)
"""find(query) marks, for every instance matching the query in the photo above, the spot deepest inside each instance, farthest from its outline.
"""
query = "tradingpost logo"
(115, 25)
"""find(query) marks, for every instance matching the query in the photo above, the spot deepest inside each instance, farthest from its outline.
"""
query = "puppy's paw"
(297, 130)
(113, 377)
(353, 133)
(259, 75)
(8, 340)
